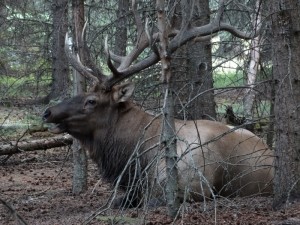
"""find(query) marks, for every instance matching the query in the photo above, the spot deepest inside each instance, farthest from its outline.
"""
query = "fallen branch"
(17, 216)
(32, 145)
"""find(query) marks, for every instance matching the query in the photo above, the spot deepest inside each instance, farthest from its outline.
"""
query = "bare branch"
(204, 38)
(188, 33)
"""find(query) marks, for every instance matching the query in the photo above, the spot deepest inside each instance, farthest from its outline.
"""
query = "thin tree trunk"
(253, 65)
(168, 136)
(79, 154)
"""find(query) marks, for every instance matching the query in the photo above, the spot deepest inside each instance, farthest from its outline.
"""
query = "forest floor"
(37, 185)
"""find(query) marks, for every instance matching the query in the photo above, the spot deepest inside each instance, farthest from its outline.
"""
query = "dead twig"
(11, 209)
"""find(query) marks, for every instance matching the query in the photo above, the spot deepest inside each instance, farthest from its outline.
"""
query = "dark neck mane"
(111, 150)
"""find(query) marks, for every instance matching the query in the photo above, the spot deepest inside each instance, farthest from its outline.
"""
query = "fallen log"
(31, 145)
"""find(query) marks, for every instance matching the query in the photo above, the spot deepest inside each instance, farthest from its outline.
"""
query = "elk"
(124, 140)
(110, 127)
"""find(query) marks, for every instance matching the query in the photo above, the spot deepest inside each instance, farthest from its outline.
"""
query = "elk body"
(118, 134)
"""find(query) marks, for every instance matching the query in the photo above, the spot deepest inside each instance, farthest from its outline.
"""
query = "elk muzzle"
(57, 127)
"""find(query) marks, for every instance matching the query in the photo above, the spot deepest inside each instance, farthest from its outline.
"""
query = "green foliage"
(21, 86)
(25, 48)
(226, 79)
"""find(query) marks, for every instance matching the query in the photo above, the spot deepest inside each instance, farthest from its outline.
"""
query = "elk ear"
(123, 92)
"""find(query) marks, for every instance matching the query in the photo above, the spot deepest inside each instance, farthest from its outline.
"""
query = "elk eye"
(92, 102)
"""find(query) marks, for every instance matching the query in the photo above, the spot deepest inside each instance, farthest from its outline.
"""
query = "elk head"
(97, 107)
(82, 114)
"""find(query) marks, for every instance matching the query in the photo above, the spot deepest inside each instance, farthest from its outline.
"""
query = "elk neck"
(112, 147)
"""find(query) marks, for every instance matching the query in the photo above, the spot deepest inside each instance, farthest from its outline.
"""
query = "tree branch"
(32, 145)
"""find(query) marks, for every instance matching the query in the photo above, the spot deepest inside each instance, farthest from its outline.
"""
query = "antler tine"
(87, 56)
(113, 69)
(126, 69)
(76, 63)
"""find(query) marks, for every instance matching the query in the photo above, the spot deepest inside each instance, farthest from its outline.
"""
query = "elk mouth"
(57, 128)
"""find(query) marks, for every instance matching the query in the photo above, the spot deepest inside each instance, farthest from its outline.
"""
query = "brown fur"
(211, 156)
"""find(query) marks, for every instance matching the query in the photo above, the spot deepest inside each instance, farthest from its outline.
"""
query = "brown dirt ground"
(38, 185)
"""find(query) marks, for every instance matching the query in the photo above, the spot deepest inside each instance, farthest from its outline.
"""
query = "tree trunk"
(192, 67)
(60, 69)
(253, 65)
(168, 136)
(286, 63)
(121, 29)
(79, 154)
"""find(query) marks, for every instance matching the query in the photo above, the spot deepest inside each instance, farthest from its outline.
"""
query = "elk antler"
(126, 68)
(144, 40)
(76, 63)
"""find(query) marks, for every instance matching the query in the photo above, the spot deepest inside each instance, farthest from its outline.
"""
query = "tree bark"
(60, 69)
(286, 70)
(253, 65)
(32, 145)
(121, 29)
(168, 136)
(79, 155)
(192, 67)
(200, 69)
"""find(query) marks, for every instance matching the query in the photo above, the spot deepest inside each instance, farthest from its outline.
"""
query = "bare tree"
(253, 64)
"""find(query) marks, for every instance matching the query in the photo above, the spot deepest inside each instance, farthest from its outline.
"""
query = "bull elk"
(211, 156)
(124, 140)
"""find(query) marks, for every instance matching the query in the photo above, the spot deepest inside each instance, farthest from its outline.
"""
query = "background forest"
(244, 72)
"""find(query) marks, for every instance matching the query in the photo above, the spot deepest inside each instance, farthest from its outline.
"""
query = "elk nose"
(46, 114)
